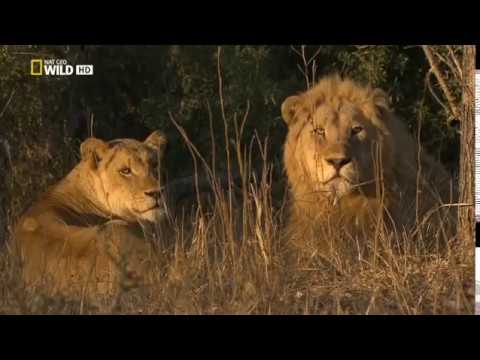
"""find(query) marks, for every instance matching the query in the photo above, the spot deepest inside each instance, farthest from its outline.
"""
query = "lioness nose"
(156, 194)
(338, 163)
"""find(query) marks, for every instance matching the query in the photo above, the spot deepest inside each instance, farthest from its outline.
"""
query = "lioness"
(83, 235)
(348, 158)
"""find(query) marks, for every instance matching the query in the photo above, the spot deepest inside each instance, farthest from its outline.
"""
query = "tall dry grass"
(228, 255)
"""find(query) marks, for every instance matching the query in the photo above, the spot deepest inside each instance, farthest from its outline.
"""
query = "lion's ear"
(93, 149)
(157, 140)
(289, 108)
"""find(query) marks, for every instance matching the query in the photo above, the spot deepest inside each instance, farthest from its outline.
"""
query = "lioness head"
(338, 137)
(127, 176)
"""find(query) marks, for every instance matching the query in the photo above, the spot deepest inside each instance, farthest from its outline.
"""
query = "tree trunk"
(466, 218)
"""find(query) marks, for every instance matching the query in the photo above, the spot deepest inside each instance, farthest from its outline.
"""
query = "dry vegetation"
(228, 256)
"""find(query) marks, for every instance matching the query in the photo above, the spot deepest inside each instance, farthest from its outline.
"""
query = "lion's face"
(127, 176)
(334, 145)
(335, 149)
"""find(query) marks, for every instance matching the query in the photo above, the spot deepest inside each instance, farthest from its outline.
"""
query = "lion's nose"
(338, 163)
(156, 194)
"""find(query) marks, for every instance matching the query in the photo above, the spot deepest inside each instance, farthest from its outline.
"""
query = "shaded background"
(44, 119)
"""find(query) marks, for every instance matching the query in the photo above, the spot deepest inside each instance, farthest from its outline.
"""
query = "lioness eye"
(126, 171)
(319, 131)
(356, 130)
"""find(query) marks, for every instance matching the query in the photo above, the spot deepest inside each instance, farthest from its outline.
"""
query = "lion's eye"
(356, 130)
(126, 171)
(319, 131)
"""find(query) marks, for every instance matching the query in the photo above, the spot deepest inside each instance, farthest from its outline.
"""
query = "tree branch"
(446, 92)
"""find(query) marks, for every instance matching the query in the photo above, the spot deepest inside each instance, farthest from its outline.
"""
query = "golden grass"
(228, 256)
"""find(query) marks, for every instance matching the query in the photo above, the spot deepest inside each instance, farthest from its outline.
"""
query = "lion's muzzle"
(152, 206)
(338, 162)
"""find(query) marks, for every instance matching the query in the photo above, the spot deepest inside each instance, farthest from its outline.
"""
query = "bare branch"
(308, 65)
(436, 71)
(450, 65)
(455, 60)
(430, 88)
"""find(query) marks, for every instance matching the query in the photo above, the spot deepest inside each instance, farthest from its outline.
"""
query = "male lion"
(349, 159)
(83, 235)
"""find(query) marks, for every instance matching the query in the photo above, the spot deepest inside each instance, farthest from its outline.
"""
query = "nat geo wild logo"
(57, 67)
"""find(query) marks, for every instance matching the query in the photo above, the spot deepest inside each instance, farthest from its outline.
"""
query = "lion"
(349, 159)
(85, 236)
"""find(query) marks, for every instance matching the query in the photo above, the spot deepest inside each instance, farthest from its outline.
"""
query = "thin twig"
(433, 211)
(449, 64)
(455, 61)
(434, 66)
(430, 88)
(7, 103)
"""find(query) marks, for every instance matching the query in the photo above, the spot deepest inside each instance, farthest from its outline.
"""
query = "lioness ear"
(93, 149)
(157, 140)
(289, 108)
